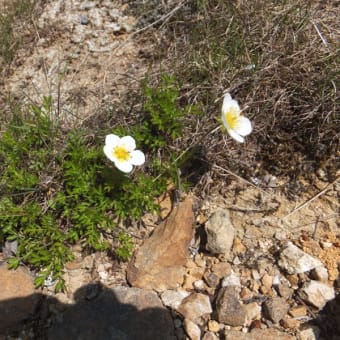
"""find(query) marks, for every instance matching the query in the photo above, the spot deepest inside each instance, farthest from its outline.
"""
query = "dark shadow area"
(99, 313)
(328, 321)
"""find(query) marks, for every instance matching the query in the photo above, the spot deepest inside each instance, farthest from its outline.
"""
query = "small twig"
(240, 178)
(163, 18)
(325, 189)
(324, 41)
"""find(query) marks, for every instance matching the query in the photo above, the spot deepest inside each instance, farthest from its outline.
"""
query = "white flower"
(237, 125)
(122, 152)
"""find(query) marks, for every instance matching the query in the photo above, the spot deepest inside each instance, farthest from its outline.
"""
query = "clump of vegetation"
(14, 15)
(279, 60)
(59, 189)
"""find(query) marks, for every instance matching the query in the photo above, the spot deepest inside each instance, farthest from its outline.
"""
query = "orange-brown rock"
(159, 262)
(17, 297)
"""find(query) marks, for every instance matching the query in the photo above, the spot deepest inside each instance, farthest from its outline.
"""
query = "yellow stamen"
(232, 117)
(121, 153)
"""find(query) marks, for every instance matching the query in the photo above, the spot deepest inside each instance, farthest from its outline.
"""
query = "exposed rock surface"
(119, 313)
(192, 330)
(228, 307)
(276, 308)
(18, 300)
(159, 262)
(220, 233)
(258, 334)
(195, 306)
(295, 261)
(317, 293)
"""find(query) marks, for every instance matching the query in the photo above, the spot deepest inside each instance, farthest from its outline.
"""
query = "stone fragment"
(220, 233)
(192, 330)
(221, 269)
(213, 326)
(211, 279)
(295, 261)
(258, 334)
(310, 333)
(118, 313)
(298, 311)
(253, 311)
(290, 323)
(200, 261)
(285, 291)
(199, 285)
(195, 306)
(228, 307)
(18, 300)
(320, 274)
(317, 293)
(231, 280)
(267, 282)
(238, 247)
(173, 298)
(275, 309)
(159, 262)
(210, 336)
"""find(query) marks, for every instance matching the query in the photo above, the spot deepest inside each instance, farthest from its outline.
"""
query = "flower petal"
(112, 140)
(108, 151)
(243, 126)
(137, 157)
(124, 166)
(128, 142)
(228, 102)
(235, 135)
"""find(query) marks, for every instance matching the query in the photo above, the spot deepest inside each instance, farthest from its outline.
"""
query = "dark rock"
(228, 307)
(275, 309)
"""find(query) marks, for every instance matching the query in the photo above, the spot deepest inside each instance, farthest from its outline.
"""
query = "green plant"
(58, 190)
(13, 11)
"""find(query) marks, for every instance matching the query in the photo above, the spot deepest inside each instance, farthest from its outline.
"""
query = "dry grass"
(279, 59)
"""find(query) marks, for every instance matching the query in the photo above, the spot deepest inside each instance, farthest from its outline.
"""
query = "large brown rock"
(159, 262)
(18, 300)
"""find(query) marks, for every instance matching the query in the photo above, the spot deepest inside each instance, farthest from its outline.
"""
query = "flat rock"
(220, 233)
(228, 307)
(173, 298)
(317, 293)
(192, 330)
(195, 306)
(18, 300)
(210, 336)
(295, 261)
(275, 309)
(258, 334)
(159, 263)
(119, 313)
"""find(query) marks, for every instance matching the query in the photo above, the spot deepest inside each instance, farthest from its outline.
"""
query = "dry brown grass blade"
(320, 193)
(239, 178)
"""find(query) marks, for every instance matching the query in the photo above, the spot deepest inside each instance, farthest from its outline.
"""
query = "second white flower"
(237, 125)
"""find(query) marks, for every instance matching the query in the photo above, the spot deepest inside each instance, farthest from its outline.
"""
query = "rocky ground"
(246, 265)
(241, 263)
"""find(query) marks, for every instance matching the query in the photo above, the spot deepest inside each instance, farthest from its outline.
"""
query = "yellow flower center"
(232, 117)
(121, 153)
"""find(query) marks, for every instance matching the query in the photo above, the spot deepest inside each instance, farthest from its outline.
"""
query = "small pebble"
(84, 20)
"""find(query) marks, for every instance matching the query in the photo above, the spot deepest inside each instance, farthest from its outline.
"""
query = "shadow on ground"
(98, 313)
